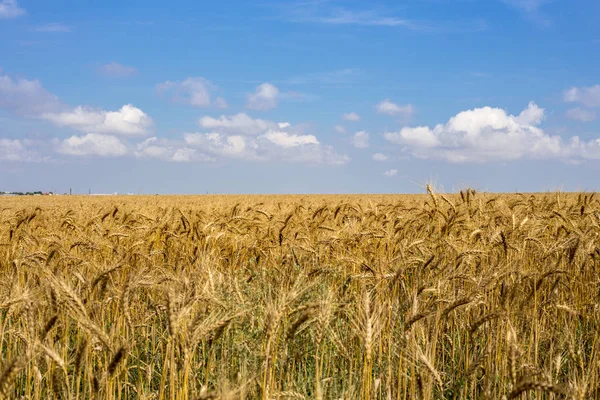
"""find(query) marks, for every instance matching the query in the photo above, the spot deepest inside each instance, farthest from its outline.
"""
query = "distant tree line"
(26, 193)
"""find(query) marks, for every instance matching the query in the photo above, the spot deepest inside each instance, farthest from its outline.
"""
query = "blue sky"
(307, 96)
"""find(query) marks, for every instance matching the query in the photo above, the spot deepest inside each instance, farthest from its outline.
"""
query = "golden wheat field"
(463, 296)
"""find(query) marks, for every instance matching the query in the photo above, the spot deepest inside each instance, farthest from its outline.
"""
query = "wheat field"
(462, 296)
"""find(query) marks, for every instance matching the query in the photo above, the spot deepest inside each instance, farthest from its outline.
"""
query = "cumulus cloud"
(167, 150)
(26, 97)
(580, 114)
(391, 172)
(273, 145)
(490, 134)
(242, 137)
(17, 150)
(194, 91)
(351, 117)
(360, 140)
(129, 120)
(266, 97)
(380, 157)
(289, 140)
(29, 98)
(389, 108)
(116, 70)
(185, 154)
(240, 123)
(10, 9)
(588, 96)
(218, 144)
(532, 115)
(93, 144)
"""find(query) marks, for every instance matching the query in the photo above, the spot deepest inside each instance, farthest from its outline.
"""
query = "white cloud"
(166, 150)
(380, 157)
(340, 129)
(588, 96)
(532, 115)
(10, 9)
(16, 150)
(420, 136)
(490, 134)
(337, 13)
(148, 148)
(264, 98)
(526, 5)
(221, 103)
(351, 117)
(93, 144)
(218, 144)
(129, 120)
(195, 91)
(318, 12)
(116, 70)
(531, 10)
(243, 138)
(184, 155)
(29, 98)
(389, 108)
(237, 124)
(289, 140)
(391, 172)
(360, 140)
(580, 114)
(52, 28)
(26, 97)
(309, 154)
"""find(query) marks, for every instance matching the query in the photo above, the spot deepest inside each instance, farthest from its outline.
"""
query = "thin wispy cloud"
(581, 115)
(526, 5)
(324, 12)
(26, 97)
(52, 28)
(10, 9)
(531, 10)
(116, 70)
(347, 17)
(296, 96)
